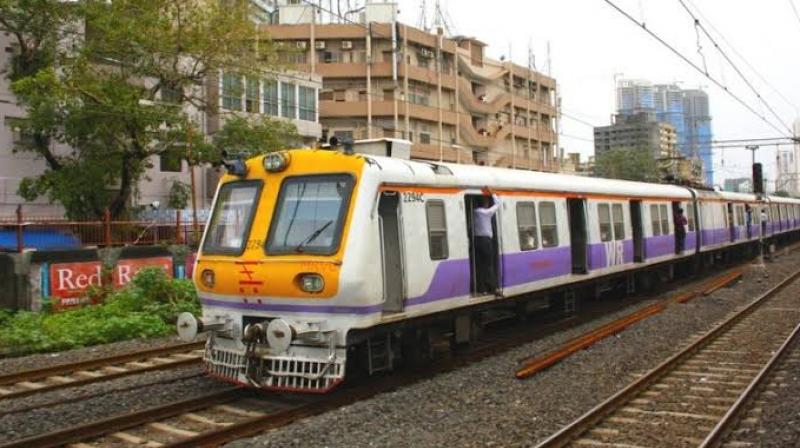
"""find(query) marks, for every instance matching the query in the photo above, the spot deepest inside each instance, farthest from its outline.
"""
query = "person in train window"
(484, 235)
(680, 230)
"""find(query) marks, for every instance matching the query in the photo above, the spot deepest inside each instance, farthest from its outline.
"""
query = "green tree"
(627, 164)
(123, 90)
(249, 137)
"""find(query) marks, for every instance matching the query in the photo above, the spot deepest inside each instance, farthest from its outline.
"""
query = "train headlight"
(207, 278)
(276, 162)
(312, 283)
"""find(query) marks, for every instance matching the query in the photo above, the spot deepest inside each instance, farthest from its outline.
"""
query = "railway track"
(695, 397)
(21, 384)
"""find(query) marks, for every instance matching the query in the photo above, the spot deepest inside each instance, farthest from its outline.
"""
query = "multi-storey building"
(640, 132)
(686, 110)
(382, 78)
(739, 185)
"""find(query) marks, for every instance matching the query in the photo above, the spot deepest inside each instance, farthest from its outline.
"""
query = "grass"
(147, 307)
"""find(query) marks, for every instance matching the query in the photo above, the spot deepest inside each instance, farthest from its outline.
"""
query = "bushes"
(147, 307)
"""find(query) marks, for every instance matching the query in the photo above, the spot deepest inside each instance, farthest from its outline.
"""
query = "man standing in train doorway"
(485, 269)
(680, 230)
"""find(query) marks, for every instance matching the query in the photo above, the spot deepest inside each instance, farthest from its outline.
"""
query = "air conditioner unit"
(319, 45)
(302, 44)
(425, 53)
(347, 45)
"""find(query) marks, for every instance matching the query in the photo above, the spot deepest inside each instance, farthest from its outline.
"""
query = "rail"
(601, 412)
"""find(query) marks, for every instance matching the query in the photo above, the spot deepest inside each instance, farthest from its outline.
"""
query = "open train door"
(578, 235)
(638, 231)
(471, 201)
(392, 252)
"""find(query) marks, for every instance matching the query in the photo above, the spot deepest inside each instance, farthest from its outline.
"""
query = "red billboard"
(69, 281)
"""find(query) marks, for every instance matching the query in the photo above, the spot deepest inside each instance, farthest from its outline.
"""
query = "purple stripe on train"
(611, 253)
(525, 267)
(659, 246)
(451, 279)
(711, 237)
(292, 308)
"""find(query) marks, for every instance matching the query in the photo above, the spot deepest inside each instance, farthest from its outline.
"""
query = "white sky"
(590, 42)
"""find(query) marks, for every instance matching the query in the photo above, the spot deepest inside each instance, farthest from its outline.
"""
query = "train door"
(392, 252)
(478, 268)
(578, 235)
(638, 231)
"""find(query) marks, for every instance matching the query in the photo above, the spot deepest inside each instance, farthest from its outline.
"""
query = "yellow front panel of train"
(281, 233)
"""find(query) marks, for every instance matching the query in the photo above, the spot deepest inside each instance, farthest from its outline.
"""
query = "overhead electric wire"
(746, 62)
(794, 8)
(735, 68)
(692, 64)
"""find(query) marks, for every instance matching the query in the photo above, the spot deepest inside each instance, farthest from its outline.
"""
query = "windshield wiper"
(313, 236)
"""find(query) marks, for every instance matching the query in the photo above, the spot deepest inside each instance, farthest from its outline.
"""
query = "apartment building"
(382, 78)
(640, 131)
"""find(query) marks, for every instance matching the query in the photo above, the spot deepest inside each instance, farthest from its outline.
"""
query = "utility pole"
(195, 225)
(758, 191)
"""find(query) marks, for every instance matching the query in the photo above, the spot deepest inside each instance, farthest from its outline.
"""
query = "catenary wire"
(692, 64)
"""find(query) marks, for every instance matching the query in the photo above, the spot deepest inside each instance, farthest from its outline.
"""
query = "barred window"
(270, 97)
(548, 224)
(619, 222)
(655, 220)
(437, 229)
(288, 100)
(308, 103)
(231, 91)
(526, 225)
(604, 218)
(664, 220)
(251, 96)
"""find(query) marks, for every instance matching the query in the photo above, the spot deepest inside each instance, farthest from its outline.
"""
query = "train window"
(740, 215)
(548, 224)
(619, 222)
(437, 229)
(655, 221)
(664, 220)
(309, 214)
(526, 225)
(604, 218)
(230, 223)
(688, 211)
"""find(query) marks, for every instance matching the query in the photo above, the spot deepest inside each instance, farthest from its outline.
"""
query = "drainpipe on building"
(405, 82)
(395, 85)
(369, 80)
(513, 111)
(439, 33)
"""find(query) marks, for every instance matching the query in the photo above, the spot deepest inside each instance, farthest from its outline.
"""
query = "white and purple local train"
(316, 261)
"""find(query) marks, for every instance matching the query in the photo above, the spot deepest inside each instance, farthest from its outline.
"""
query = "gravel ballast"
(484, 405)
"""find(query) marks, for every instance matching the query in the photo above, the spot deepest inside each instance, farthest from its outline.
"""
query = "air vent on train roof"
(386, 147)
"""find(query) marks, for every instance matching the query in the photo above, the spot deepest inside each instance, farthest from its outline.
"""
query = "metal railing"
(20, 232)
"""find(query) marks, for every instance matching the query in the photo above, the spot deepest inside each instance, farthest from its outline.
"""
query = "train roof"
(449, 174)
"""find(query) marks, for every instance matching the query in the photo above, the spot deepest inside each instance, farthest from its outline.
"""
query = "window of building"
(251, 96)
(270, 97)
(655, 220)
(664, 220)
(425, 138)
(437, 229)
(170, 162)
(604, 218)
(526, 225)
(308, 103)
(288, 100)
(619, 222)
(171, 94)
(231, 91)
(548, 224)
(343, 135)
(19, 134)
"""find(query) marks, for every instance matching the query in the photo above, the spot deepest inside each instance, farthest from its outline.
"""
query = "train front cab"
(270, 271)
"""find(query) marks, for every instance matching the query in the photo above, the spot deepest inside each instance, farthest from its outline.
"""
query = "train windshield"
(233, 214)
(310, 214)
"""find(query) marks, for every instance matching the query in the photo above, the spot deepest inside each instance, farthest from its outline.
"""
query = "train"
(315, 262)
